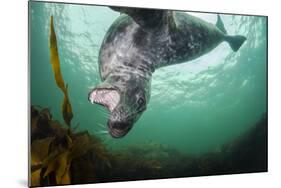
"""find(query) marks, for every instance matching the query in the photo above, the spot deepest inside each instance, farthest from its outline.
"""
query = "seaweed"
(55, 155)
(56, 150)
(55, 61)
(65, 157)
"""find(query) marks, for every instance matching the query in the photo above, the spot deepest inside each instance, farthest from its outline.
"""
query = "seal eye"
(140, 103)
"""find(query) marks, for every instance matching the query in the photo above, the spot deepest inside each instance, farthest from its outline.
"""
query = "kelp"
(39, 152)
(40, 121)
(56, 150)
(48, 150)
(54, 153)
(61, 157)
(55, 61)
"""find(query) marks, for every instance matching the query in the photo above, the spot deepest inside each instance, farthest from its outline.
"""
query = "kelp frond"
(54, 57)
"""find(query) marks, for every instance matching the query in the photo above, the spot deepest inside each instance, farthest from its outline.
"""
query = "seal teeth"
(105, 97)
(91, 98)
(98, 100)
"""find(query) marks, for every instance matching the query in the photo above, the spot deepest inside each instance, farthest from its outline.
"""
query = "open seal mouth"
(109, 98)
(106, 97)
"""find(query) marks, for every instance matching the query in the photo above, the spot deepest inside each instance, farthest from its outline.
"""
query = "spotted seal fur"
(137, 43)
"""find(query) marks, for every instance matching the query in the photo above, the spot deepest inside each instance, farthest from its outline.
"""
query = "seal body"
(134, 46)
(191, 38)
(185, 39)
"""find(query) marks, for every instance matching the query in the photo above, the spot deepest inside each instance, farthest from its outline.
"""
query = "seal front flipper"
(146, 18)
(235, 41)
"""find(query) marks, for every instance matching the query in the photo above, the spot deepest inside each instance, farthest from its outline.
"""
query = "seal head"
(125, 105)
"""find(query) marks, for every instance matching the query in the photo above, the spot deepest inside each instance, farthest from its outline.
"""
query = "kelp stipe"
(55, 61)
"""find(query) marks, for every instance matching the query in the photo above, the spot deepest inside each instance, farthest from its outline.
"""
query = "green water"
(195, 107)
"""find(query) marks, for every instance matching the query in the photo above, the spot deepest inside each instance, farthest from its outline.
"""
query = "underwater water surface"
(195, 107)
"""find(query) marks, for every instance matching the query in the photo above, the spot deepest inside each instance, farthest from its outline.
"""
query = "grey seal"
(137, 43)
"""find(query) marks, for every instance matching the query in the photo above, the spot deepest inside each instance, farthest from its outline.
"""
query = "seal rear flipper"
(235, 41)
(220, 25)
(146, 18)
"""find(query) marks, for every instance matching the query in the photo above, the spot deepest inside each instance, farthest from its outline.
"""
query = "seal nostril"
(118, 129)
(120, 125)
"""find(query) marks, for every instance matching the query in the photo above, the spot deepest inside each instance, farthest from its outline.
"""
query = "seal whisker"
(101, 125)
(102, 112)
(102, 132)
(107, 139)
(99, 131)
(105, 116)
(101, 128)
